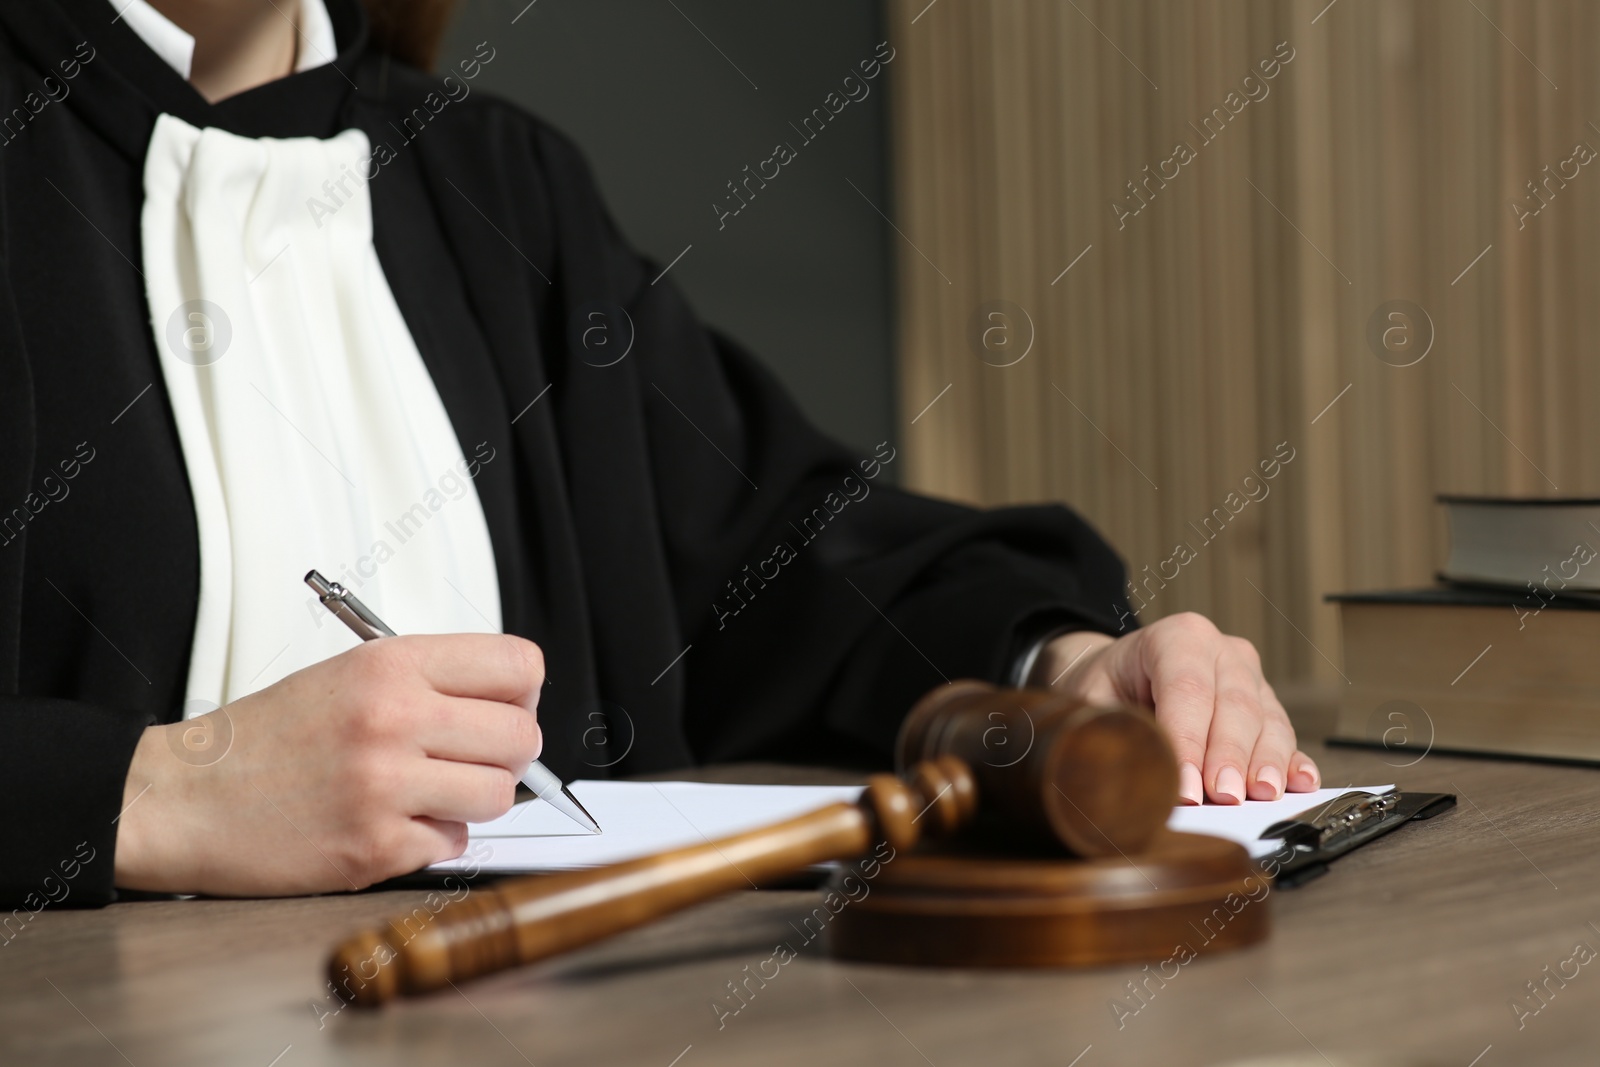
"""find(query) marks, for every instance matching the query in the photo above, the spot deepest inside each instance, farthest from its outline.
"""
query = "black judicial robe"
(635, 491)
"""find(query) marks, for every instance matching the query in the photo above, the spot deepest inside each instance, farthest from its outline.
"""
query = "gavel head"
(1100, 781)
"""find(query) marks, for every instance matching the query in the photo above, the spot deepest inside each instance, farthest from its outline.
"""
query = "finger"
(1303, 774)
(1235, 729)
(487, 666)
(409, 845)
(1269, 763)
(437, 840)
(459, 792)
(1182, 672)
(480, 731)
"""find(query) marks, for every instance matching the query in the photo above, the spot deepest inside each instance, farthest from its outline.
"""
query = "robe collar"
(125, 86)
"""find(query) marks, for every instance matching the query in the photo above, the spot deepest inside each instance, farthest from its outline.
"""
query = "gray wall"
(801, 275)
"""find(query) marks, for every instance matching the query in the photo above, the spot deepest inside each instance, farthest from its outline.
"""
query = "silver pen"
(367, 626)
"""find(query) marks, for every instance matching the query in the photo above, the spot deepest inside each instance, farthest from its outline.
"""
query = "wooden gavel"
(1094, 781)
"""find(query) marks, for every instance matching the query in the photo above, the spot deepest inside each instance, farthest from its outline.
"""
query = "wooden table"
(1415, 947)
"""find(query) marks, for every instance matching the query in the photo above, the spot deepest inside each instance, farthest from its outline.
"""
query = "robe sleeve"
(62, 763)
(818, 601)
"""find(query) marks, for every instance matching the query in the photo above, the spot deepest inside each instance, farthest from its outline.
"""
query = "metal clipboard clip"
(1318, 836)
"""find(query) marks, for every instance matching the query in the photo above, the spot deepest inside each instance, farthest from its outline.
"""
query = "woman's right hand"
(359, 768)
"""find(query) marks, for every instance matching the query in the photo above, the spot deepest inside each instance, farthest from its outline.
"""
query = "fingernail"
(1306, 777)
(1272, 778)
(1190, 791)
(1230, 786)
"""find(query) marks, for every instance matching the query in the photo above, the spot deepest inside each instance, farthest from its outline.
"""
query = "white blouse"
(316, 45)
(311, 429)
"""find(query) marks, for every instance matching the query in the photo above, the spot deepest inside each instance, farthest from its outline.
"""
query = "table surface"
(1412, 950)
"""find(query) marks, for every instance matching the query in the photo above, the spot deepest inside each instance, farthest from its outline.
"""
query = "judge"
(272, 298)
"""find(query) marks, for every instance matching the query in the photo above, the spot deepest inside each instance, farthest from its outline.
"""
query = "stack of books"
(1502, 656)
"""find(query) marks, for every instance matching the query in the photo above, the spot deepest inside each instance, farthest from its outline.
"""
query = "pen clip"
(350, 610)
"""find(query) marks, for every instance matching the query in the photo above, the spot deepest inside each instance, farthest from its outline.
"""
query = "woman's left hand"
(1231, 735)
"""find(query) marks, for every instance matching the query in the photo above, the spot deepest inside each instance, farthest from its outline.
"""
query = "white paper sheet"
(1244, 822)
(639, 819)
(642, 818)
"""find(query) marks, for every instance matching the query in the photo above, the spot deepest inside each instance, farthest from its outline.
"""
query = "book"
(1516, 542)
(1471, 669)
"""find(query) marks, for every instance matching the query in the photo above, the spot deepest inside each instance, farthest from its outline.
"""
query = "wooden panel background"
(1191, 339)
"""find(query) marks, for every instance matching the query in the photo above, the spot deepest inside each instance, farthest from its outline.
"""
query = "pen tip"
(589, 821)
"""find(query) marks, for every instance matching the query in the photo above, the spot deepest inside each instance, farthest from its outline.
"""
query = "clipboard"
(1315, 838)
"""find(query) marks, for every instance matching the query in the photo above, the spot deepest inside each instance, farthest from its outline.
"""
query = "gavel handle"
(522, 920)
